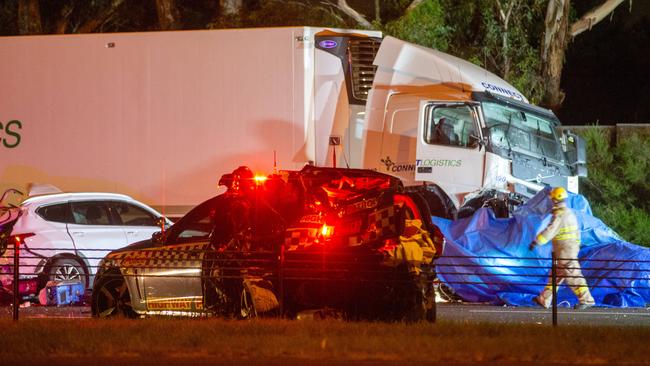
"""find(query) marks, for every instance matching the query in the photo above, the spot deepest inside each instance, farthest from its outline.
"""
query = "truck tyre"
(465, 211)
(437, 201)
(67, 269)
(111, 297)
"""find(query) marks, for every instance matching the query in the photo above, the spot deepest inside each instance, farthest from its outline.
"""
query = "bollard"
(281, 280)
(16, 300)
(554, 287)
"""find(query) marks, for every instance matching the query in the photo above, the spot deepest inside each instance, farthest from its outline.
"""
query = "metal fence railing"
(357, 277)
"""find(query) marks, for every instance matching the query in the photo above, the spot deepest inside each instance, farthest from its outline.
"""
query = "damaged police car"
(350, 241)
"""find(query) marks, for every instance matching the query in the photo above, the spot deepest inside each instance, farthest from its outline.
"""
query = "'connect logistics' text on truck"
(162, 115)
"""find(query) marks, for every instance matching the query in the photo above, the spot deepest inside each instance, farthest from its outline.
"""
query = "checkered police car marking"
(381, 224)
(172, 256)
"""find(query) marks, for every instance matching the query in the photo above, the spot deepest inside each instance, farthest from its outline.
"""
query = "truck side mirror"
(576, 151)
(476, 141)
(158, 237)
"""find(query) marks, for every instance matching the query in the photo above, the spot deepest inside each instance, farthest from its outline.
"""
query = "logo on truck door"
(397, 167)
(422, 165)
(9, 135)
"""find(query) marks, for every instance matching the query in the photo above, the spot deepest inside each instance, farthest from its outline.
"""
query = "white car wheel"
(67, 269)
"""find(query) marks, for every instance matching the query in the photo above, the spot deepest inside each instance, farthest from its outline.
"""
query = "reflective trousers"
(569, 272)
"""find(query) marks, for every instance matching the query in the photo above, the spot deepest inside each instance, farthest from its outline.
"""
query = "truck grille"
(362, 52)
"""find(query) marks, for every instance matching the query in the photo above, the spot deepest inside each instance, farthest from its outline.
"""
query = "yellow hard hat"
(558, 194)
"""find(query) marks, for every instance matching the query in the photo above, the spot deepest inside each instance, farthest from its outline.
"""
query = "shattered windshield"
(519, 130)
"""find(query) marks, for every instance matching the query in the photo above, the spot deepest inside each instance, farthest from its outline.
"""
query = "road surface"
(446, 312)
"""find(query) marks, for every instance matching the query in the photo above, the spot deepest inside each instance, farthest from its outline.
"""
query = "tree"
(68, 16)
(618, 185)
(29, 17)
(422, 23)
(168, 15)
(362, 20)
(555, 41)
(500, 36)
(231, 7)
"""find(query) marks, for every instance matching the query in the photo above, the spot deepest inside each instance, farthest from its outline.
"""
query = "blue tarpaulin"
(487, 259)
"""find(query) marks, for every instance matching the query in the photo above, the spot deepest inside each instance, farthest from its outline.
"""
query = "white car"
(63, 236)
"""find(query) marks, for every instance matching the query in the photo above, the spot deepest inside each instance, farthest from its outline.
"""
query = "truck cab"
(434, 119)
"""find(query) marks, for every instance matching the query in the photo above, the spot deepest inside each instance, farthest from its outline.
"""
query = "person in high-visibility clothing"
(564, 232)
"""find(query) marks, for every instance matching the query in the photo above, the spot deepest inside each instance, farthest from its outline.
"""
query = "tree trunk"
(504, 15)
(168, 15)
(231, 7)
(64, 19)
(556, 39)
(594, 16)
(414, 4)
(29, 17)
(96, 22)
(378, 11)
(360, 19)
(554, 44)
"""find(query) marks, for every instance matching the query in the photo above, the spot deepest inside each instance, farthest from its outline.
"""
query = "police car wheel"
(67, 269)
(111, 297)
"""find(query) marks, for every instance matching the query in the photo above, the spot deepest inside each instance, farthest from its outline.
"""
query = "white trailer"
(160, 116)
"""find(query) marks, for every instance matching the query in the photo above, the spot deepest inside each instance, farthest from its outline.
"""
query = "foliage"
(8, 9)
(630, 222)
(477, 35)
(425, 25)
(275, 13)
(618, 185)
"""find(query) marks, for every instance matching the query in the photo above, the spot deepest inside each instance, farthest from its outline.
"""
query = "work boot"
(539, 301)
(582, 306)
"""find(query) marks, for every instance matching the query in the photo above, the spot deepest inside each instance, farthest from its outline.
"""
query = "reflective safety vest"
(563, 229)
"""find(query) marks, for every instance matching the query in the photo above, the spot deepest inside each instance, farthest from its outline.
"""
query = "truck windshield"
(519, 130)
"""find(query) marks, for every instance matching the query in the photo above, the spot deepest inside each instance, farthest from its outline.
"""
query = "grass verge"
(256, 342)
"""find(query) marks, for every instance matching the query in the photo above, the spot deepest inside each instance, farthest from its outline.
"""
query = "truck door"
(448, 152)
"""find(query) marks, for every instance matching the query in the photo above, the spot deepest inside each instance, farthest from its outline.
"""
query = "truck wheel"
(465, 211)
(67, 269)
(111, 297)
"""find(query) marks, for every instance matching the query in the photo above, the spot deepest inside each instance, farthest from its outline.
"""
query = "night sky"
(607, 71)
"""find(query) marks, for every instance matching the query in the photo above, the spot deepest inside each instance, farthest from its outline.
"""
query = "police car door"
(448, 150)
(173, 275)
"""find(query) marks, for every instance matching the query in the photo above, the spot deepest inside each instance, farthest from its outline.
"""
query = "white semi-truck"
(162, 115)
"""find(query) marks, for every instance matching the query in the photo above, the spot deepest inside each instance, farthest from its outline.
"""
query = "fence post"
(16, 299)
(281, 280)
(554, 286)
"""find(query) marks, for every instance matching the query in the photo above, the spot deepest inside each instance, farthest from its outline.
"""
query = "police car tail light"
(349, 227)
(326, 231)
